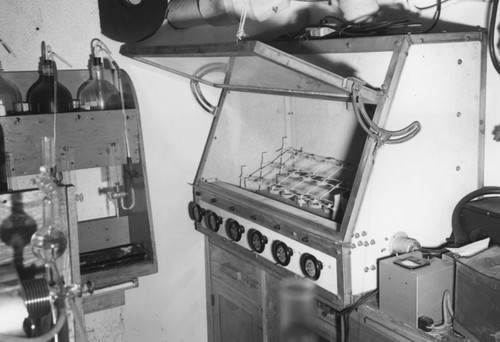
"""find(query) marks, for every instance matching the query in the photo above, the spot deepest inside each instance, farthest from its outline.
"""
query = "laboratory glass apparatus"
(323, 153)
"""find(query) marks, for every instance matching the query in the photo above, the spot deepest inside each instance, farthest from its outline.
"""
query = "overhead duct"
(189, 13)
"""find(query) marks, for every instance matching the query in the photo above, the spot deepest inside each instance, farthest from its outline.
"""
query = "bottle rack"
(88, 140)
(308, 180)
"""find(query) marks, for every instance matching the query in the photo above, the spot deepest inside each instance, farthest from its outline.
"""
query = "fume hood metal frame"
(343, 240)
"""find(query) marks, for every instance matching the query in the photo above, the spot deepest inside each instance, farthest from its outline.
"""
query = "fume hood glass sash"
(250, 66)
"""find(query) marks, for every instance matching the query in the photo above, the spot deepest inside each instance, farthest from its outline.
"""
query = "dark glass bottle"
(97, 93)
(10, 97)
(41, 94)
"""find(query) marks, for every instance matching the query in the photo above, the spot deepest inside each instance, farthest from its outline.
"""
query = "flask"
(10, 97)
(97, 93)
(41, 94)
(48, 243)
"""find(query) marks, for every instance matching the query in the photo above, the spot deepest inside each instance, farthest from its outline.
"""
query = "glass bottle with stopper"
(47, 94)
(97, 93)
(49, 242)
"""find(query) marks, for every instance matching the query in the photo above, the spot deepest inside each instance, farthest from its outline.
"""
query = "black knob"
(277, 227)
(213, 200)
(305, 239)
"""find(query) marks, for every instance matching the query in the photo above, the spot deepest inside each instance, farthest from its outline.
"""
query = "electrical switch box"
(411, 287)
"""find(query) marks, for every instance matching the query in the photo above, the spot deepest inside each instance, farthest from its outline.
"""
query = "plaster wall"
(170, 306)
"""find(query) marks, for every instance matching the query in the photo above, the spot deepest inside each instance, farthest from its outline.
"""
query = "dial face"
(234, 230)
(213, 221)
(257, 241)
(310, 266)
(257, 244)
(195, 212)
(281, 253)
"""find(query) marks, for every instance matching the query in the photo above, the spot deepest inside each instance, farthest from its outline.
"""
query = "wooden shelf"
(87, 136)
(89, 139)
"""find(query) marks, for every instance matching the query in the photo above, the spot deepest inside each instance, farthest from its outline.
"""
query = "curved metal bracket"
(382, 136)
(195, 85)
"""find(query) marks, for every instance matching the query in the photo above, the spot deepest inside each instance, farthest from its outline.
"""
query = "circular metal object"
(133, 2)
(310, 266)
(234, 230)
(256, 240)
(213, 221)
(131, 20)
(195, 212)
(281, 253)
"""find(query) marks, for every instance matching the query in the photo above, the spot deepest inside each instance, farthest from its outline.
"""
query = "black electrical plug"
(425, 323)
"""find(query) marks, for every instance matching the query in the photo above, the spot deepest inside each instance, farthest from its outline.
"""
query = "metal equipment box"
(477, 303)
(407, 294)
(321, 151)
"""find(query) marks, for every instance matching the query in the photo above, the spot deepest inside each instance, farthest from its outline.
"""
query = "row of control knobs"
(282, 254)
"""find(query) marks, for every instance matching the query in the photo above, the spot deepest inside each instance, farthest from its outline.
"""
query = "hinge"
(212, 299)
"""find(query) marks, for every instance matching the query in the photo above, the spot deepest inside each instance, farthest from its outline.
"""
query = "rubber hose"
(61, 319)
(458, 237)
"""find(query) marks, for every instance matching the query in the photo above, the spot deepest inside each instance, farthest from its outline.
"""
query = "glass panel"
(259, 73)
(190, 66)
(299, 151)
(252, 66)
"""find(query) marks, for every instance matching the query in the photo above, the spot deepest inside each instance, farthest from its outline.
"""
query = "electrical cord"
(340, 28)
(343, 314)
(412, 5)
(459, 236)
(437, 15)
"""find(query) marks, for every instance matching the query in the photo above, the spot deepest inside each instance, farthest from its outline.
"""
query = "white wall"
(170, 306)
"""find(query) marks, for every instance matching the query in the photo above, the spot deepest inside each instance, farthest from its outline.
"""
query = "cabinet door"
(234, 318)
(324, 328)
